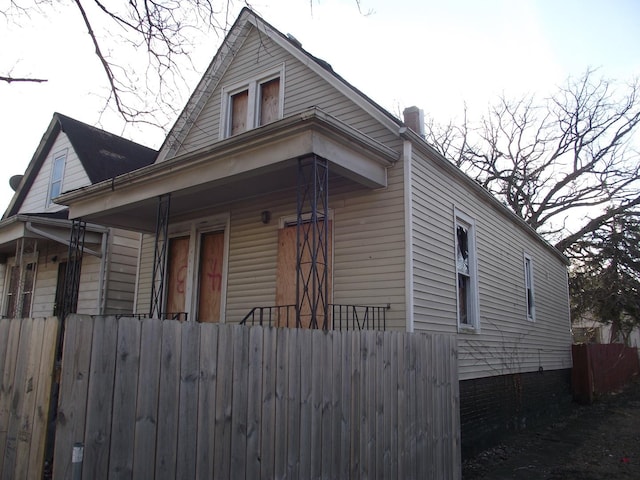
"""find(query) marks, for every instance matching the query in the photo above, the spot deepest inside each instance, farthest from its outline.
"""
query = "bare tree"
(565, 164)
(155, 34)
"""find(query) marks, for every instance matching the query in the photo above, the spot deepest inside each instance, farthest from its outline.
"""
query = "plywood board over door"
(210, 276)
(287, 272)
(177, 270)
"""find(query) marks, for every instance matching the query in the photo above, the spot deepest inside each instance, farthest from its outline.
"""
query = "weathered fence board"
(27, 349)
(168, 400)
(144, 448)
(74, 384)
(240, 402)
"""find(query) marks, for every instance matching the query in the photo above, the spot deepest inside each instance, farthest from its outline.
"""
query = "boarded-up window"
(269, 101)
(177, 269)
(239, 109)
(210, 276)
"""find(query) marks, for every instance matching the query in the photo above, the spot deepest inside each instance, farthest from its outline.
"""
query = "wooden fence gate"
(163, 399)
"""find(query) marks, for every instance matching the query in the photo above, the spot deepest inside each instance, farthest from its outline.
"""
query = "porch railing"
(181, 316)
(341, 317)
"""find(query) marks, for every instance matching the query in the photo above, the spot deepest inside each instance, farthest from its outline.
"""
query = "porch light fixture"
(265, 216)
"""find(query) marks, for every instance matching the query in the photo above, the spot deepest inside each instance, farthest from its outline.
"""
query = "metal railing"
(181, 316)
(341, 317)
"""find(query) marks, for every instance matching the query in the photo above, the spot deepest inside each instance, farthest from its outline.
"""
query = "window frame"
(253, 88)
(473, 310)
(60, 155)
(529, 287)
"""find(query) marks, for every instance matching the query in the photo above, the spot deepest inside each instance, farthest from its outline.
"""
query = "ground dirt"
(594, 442)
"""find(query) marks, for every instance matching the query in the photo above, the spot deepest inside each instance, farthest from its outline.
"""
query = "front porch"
(254, 237)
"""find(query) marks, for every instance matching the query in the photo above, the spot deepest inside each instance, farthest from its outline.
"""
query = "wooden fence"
(163, 399)
(27, 353)
(601, 368)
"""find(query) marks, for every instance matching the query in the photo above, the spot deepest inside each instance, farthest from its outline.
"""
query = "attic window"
(252, 104)
(239, 104)
(57, 173)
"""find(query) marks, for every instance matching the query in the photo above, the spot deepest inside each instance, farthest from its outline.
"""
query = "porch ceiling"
(251, 164)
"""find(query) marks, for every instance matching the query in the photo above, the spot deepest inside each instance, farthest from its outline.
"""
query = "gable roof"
(103, 155)
(225, 55)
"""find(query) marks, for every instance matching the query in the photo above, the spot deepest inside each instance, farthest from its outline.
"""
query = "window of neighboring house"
(19, 293)
(529, 291)
(252, 104)
(57, 173)
(466, 273)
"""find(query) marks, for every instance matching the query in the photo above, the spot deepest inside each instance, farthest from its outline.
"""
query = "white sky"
(431, 53)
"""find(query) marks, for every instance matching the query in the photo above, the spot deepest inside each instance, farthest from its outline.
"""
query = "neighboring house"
(35, 232)
(284, 194)
(591, 331)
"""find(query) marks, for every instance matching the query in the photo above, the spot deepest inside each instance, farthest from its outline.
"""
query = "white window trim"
(528, 258)
(252, 85)
(194, 230)
(60, 154)
(474, 311)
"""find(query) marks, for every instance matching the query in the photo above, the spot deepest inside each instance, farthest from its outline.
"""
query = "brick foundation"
(493, 406)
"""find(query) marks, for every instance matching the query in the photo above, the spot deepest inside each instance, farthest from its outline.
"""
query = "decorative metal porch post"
(74, 265)
(312, 228)
(159, 255)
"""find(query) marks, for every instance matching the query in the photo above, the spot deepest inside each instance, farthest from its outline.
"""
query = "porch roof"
(40, 227)
(255, 162)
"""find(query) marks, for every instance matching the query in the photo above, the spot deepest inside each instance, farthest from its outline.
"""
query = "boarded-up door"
(210, 276)
(177, 269)
(287, 272)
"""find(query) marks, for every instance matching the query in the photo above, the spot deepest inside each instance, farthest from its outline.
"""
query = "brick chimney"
(414, 119)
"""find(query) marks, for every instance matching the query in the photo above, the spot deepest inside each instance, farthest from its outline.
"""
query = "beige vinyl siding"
(46, 278)
(88, 293)
(74, 177)
(368, 249)
(121, 271)
(507, 341)
(302, 89)
(145, 272)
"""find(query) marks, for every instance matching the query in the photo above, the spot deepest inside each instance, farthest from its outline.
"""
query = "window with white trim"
(529, 290)
(57, 174)
(252, 104)
(466, 273)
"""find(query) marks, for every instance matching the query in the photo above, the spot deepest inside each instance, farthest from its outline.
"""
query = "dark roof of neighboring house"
(103, 155)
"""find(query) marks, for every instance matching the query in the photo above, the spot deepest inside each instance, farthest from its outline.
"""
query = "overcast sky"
(431, 53)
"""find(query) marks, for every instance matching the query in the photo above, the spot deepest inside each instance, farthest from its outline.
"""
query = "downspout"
(407, 154)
